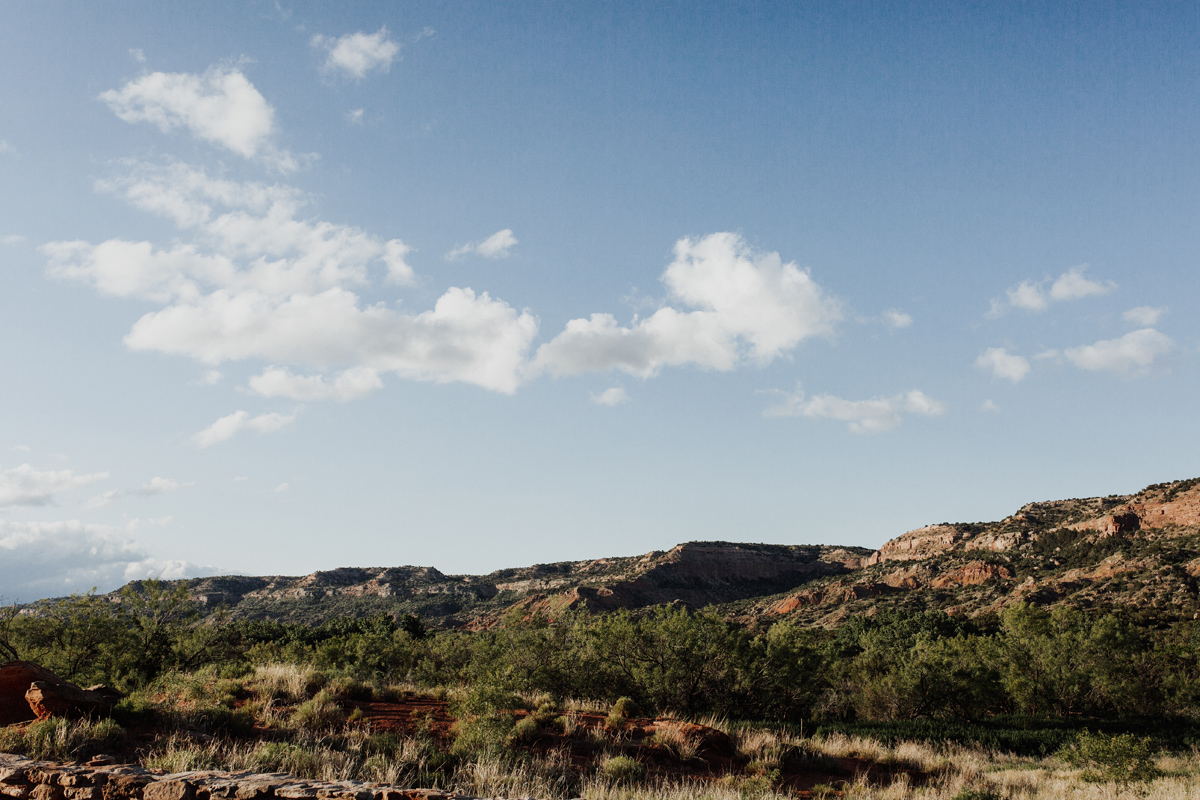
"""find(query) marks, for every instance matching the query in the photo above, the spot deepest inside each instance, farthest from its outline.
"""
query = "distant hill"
(1140, 552)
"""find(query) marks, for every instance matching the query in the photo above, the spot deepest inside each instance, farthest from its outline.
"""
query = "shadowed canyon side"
(1141, 551)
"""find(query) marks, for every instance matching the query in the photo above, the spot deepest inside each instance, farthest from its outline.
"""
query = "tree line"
(1060, 663)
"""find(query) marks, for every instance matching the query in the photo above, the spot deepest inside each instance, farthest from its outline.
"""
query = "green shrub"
(623, 769)
(319, 713)
(625, 707)
(525, 731)
(1107, 758)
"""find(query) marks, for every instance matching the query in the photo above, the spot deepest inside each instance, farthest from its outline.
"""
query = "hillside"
(1140, 551)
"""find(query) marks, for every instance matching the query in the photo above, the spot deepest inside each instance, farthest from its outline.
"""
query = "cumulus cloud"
(355, 116)
(750, 306)
(989, 405)
(1003, 364)
(896, 319)
(862, 416)
(52, 559)
(349, 385)
(229, 426)
(12, 238)
(610, 397)
(1133, 353)
(5, 147)
(1035, 296)
(498, 245)
(27, 486)
(137, 55)
(221, 107)
(261, 283)
(1146, 316)
(356, 54)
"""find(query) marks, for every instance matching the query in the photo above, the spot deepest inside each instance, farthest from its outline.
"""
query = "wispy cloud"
(1145, 316)
(229, 426)
(611, 397)
(349, 385)
(1034, 296)
(498, 245)
(160, 485)
(877, 415)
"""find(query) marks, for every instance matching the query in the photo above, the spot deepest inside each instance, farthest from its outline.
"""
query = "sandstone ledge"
(25, 779)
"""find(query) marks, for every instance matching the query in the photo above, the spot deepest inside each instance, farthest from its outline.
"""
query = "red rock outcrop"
(59, 698)
(973, 574)
(15, 679)
(919, 543)
(30, 691)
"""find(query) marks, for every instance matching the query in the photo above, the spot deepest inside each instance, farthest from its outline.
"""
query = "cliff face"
(1140, 550)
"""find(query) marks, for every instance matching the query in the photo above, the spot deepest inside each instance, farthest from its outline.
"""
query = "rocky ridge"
(1141, 551)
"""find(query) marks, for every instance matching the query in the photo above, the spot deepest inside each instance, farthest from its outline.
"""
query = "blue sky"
(288, 286)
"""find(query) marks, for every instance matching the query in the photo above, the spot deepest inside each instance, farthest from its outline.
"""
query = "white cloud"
(355, 116)
(21, 448)
(262, 284)
(5, 147)
(1031, 296)
(349, 385)
(1072, 285)
(221, 107)
(356, 54)
(1003, 364)
(229, 426)
(137, 55)
(751, 307)
(52, 559)
(12, 239)
(497, 245)
(1146, 316)
(103, 499)
(896, 319)
(27, 486)
(863, 416)
(210, 378)
(988, 405)
(161, 486)
(1133, 353)
(610, 397)
(281, 488)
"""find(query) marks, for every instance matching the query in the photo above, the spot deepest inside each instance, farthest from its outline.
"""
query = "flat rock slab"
(25, 779)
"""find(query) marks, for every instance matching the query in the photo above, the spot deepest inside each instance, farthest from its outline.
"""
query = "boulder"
(15, 679)
(30, 691)
(59, 698)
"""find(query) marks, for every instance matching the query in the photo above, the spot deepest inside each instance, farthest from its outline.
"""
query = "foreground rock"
(25, 779)
(30, 691)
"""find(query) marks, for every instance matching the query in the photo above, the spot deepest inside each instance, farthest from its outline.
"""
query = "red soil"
(715, 755)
